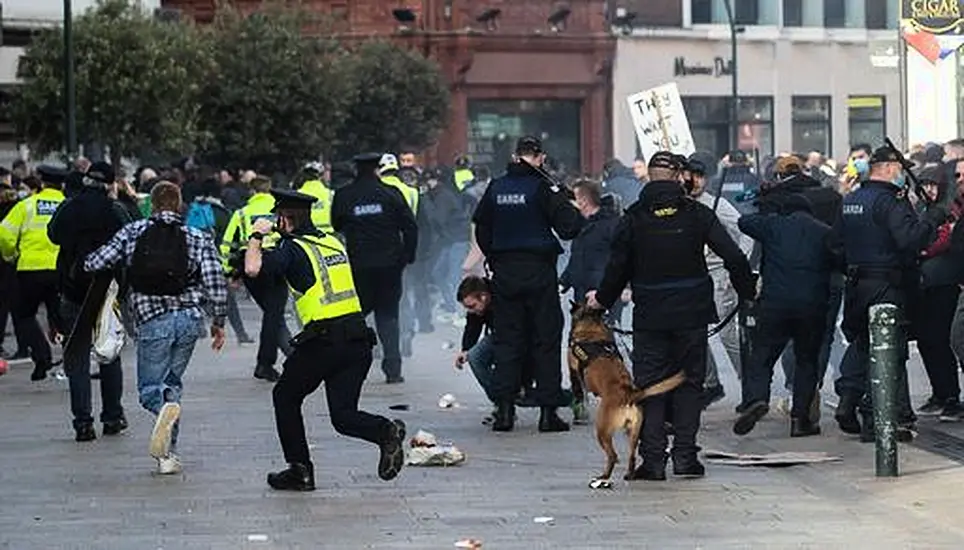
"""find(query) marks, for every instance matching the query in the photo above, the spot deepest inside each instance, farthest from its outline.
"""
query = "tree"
(137, 81)
(277, 96)
(400, 98)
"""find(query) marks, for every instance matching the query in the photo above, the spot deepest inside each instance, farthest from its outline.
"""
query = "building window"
(701, 12)
(495, 125)
(792, 13)
(835, 13)
(746, 12)
(867, 119)
(811, 124)
(876, 12)
(709, 119)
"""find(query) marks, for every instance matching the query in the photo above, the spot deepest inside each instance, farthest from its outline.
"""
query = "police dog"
(595, 359)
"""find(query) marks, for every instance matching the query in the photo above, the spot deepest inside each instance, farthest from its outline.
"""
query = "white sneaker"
(161, 436)
(169, 465)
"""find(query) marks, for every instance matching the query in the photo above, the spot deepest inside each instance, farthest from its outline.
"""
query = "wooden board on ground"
(770, 460)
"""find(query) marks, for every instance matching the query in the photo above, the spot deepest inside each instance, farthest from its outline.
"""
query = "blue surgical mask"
(900, 180)
(862, 166)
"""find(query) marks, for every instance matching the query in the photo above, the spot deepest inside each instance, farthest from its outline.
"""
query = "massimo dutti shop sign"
(718, 68)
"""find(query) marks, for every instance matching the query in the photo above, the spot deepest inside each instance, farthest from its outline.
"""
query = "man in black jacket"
(381, 237)
(514, 225)
(81, 225)
(659, 249)
(797, 261)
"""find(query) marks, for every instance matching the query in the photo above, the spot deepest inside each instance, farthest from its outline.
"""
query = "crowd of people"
(423, 242)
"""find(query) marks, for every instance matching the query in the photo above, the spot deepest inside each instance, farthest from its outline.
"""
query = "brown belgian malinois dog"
(595, 359)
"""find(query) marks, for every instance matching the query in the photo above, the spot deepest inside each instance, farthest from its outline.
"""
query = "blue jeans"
(481, 359)
(164, 348)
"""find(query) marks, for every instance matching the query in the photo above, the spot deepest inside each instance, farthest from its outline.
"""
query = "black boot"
(39, 373)
(266, 373)
(85, 432)
(504, 418)
(650, 472)
(549, 421)
(114, 427)
(298, 477)
(689, 467)
(392, 452)
(803, 427)
(846, 414)
(750, 416)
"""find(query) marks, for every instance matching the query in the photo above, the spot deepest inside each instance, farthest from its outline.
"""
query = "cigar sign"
(933, 28)
(934, 16)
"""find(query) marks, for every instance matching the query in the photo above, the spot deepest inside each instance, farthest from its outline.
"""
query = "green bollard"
(884, 339)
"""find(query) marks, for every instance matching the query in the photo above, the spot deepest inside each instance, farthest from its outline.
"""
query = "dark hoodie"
(590, 252)
(824, 201)
(797, 257)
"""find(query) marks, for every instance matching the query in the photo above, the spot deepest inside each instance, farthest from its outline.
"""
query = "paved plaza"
(56, 493)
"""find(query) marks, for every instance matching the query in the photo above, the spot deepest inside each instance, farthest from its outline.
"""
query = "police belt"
(346, 328)
(891, 275)
(587, 352)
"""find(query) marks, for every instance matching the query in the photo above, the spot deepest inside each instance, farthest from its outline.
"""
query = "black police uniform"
(381, 236)
(882, 237)
(659, 249)
(514, 225)
(336, 351)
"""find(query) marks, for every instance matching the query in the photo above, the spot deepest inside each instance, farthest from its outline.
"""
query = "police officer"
(270, 293)
(381, 235)
(463, 175)
(388, 172)
(23, 237)
(335, 346)
(514, 225)
(882, 237)
(313, 186)
(658, 248)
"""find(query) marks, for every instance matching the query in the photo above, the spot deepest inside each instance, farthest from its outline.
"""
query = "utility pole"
(735, 91)
(70, 92)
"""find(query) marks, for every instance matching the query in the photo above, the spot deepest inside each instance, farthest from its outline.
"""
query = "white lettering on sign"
(368, 209)
(853, 209)
(660, 121)
(46, 208)
(510, 199)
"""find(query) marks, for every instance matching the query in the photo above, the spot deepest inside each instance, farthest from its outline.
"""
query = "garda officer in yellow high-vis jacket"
(313, 186)
(335, 346)
(23, 239)
(388, 173)
(463, 172)
(270, 293)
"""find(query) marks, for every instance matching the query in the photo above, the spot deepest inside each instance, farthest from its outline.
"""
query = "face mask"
(862, 166)
(900, 180)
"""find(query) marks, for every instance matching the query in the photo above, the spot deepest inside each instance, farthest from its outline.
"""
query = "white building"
(812, 74)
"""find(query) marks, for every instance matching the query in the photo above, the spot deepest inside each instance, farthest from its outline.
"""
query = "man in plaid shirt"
(168, 327)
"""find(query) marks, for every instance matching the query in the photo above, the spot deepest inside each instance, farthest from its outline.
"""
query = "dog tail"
(659, 388)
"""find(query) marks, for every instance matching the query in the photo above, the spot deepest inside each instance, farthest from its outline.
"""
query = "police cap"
(695, 165)
(884, 154)
(529, 145)
(51, 174)
(667, 161)
(286, 199)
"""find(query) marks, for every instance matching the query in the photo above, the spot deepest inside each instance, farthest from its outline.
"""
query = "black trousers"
(380, 291)
(8, 282)
(529, 322)
(774, 329)
(342, 364)
(935, 313)
(658, 354)
(35, 288)
(77, 368)
(271, 295)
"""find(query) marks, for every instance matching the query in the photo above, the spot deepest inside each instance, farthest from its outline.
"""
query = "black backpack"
(159, 266)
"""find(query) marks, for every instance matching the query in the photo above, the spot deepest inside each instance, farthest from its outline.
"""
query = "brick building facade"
(518, 76)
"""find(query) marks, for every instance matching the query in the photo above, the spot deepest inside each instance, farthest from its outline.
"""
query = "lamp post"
(70, 93)
(735, 92)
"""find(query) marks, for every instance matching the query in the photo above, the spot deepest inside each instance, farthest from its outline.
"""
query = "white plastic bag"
(109, 332)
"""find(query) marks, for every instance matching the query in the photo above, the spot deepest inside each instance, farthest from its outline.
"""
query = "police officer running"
(658, 248)
(335, 346)
(882, 237)
(381, 235)
(23, 237)
(514, 225)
